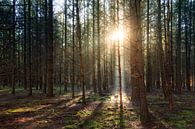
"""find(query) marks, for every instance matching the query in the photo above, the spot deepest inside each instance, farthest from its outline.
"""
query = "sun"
(118, 35)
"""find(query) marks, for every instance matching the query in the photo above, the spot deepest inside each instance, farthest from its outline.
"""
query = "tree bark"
(137, 61)
(50, 50)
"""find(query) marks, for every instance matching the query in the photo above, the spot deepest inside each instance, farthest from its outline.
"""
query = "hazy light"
(118, 36)
(58, 5)
(116, 99)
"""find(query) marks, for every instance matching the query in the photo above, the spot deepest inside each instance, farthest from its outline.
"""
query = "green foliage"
(182, 119)
(182, 116)
(72, 126)
(84, 113)
(18, 110)
(93, 125)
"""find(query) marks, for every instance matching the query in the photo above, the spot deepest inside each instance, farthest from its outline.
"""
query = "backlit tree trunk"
(137, 61)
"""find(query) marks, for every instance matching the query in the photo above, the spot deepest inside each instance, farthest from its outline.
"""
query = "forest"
(97, 64)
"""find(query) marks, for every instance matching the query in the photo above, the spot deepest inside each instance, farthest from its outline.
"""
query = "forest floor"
(62, 112)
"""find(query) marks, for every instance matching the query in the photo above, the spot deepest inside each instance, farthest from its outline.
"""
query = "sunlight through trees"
(126, 53)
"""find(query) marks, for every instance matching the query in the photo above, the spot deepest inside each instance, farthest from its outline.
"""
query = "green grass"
(18, 110)
(98, 98)
(181, 117)
(71, 126)
(93, 125)
(84, 113)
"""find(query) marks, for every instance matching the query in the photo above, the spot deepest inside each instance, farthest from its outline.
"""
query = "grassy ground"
(62, 112)
(183, 115)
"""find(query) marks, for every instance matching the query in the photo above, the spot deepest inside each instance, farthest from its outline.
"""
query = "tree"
(149, 70)
(25, 46)
(29, 49)
(13, 51)
(119, 60)
(82, 81)
(73, 49)
(98, 51)
(137, 64)
(65, 49)
(187, 46)
(94, 61)
(50, 50)
(178, 51)
(168, 59)
(46, 44)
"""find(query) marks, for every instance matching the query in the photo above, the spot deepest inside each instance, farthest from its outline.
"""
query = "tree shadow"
(121, 122)
(69, 117)
(92, 116)
(47, 108)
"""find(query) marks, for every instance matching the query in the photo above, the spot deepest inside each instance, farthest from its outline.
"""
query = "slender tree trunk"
(37, 45)
(190, 44)
(99, 55)
(119, 59)
(172, 45)
(186, 46)
(94, 62)
(50, 66)
(46, 48)
(25, 48)
(73, 50)
(14, 50)
(149, 70)
(65, 51)
(159, 45)
(168, 59)
(194, 39)
(29, 49)
(178, 51)
(187, 43)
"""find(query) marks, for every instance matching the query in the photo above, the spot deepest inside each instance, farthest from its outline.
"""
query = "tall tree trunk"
(94, 68)
(168, 59)
(187, 45)
(178, 51)
(172, 45)
(99, 56)
(25, 48)
(13, 50)
(37, 45)
(119, 59)
(159, 44)
(73, 50)
(137, 60)
(46, 48)
(65, 50)
(29, 49)
(194, 38)
(80, 51)
(50, 50)
(148, 70)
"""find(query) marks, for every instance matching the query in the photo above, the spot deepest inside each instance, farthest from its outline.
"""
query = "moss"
(18, 110)
(93, 125)
(72, 126)
(98, 98)
(83, 113)
(179, 124)
(182, 119)
(4, 90)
